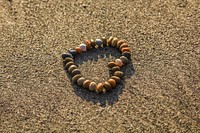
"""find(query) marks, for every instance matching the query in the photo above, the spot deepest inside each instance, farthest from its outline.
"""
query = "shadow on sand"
(109, 97)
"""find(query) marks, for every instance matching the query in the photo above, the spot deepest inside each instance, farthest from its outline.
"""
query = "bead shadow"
(109, 97)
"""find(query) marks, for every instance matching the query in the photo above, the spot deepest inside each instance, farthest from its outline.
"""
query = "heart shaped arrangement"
(115, 66)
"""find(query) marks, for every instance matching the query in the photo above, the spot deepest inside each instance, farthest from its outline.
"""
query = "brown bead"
(119, 74)
(75, 72)
(107, 86)
(117, 79)
(112, 82)
(99, 88)
(124, 59)
(68, 59)
(86, 84)
(114, 42)
(110, 40)
(119, 43)
(124, 45)
(92, 86)
(78, 50)
(92, 43)
(115, 68)
(88, 44)
(71, 68)
(111, 64)
(69, 64)
(104, 40)
(125, 49)
(80, 81)
(76, 77)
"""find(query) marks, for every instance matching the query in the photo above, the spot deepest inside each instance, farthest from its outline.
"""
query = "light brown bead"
(110, 40)
(71, 68)
(69, 64)
(92, 86)
(86, 84)
(124, 45)
(124, 59)
(117, 79)
(75, 72)
(114, 42)
(112, 82)
(111, 64)
(116, 68)
(119, 74)
(104, 40)
(80, 81)
(99, 88)
(107, 86)
(125, 49)
(78, 50)
(68, 59)
(76, 77)
(119, 62)
(88, 44)
(119, 43)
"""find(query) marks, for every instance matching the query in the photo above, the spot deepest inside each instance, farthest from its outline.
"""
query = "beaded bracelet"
(115, 66)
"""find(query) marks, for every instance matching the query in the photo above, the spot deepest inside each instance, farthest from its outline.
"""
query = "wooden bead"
(124, 59)
(88, 44)
(83, 47)
(92, 86)
(75, 72)
(107, 86)
(112, 82)
(86, 84)
(127, 54)
(71, 68)
(92, 43)
(69, 64)
(99, 88)
(117, 79)
(67, 55)
(119, 74)
(118, 62)
(115, 68)
(119, 43)
(104, 40)
(110, 41)
(111, 64)
(125, 49)
(78, 50)
(68, 59)
(124, 45)
(114, 42)
(76, 77)
(80, 81)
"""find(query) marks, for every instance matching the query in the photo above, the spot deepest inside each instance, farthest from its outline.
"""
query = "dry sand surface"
(161, 88)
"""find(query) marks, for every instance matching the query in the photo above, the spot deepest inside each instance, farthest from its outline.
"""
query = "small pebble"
(92, 43)
(125, 49)
(117, 79)
(78, 50)
(86, 84)
(119, 62)
(76, 77)
(115, 68)
(75, 72)
(126, 54)
(69, 64)
(124, 45)
(104, 41)
(119, 43)
(92, 86)
(114, 42)
(88, 44)
(107, 86)
(67, 55)
(124, 59)
(112, 82)
(111, 64)
(99, 88)
(80, 81)
(72, 51)
(71, 68)
(68, 59)
(110, 41)
(83, 47)
(99, 42)
(119, 74)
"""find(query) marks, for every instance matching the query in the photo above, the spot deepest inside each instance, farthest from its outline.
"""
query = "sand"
(161, 88)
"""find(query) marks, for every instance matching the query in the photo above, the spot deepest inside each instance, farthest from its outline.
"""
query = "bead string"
(115, 66)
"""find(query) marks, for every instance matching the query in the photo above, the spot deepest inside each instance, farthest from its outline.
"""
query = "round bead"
(83, 47)
(88, 44)
(80, 81)
(71, 68)
(126, 54)
(68, 59)
(112, 82)
(114, 42)
(99, 88)
(124, 45)
(75, 72)
(116, 68)
(119, 74)
(110, 40)
(69, 64)
(92, 86)
(72, 51)
(117, 79)
(78, 50)
(76, 77)
(107, 86)
(125, 49)
(119, 62)
(124, 59)
(86, 84)
(104, 41)
(99, 42)
(111, 64)
(67, 55)
(119, 43)
(92, 43)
